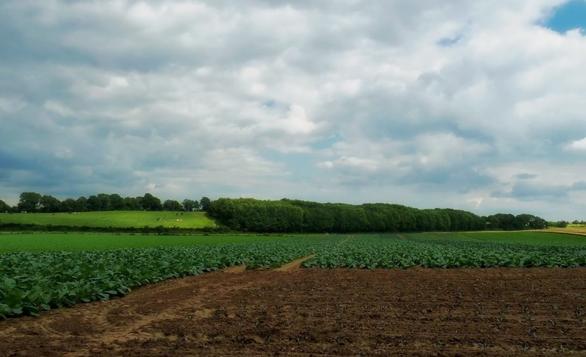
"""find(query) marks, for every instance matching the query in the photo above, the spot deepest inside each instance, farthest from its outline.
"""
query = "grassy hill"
(117, 219)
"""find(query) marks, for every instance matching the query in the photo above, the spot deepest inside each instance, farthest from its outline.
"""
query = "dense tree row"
(35, 202)
(303, 216)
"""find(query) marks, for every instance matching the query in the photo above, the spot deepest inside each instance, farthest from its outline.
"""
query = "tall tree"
(172, 205)
(116, 202)
(205, 203)
(50, 204)
(151, 203)
(68, 205)
(133, 203)
(81, 204)
(190, 205)
(29, 201)
(93, 203)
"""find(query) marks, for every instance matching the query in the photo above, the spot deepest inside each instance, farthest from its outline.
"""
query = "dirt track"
(332, 312)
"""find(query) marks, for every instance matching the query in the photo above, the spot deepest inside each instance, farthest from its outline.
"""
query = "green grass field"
(13, 242)
(117, 219)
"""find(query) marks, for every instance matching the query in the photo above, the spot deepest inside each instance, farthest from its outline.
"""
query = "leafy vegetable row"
(386, 252)
(33, 282)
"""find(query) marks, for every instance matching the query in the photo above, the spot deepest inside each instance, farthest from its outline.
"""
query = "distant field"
(571, 229)
(39, 242)
(542, 238)
(117, 219)
(12, 242)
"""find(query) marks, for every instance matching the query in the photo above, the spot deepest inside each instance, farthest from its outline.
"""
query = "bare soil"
(323, 312)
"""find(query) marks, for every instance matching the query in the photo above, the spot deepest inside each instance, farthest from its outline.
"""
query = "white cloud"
(578, 145)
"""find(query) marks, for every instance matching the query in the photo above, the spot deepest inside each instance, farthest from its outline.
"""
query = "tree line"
(286, 215)
(564, 224)
(36, 202)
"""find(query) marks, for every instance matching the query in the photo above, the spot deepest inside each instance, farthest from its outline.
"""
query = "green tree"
(116, 202)
(151, 203)
(68, 205)
(205, 203)
(172, 205)
(81, 204)
(29, 201)
(93, 203)
(49, 203)
(133, 203)
(190, 205)
(527, 221)
(502, 221)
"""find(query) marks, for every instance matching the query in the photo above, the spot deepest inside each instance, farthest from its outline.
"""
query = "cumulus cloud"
(458, 103)
(578, 145)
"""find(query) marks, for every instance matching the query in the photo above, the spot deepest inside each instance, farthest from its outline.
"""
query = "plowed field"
(323, 312)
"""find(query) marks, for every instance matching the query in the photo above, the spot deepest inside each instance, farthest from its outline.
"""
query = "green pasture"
(117, 219)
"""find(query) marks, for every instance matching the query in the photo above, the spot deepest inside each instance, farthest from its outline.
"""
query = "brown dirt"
(323, 312)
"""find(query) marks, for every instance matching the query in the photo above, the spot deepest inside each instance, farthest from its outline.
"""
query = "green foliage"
(412, 251)
(205, 203)
(260, 216)
(49, 204)
(257, 216)
(190, 205)
(29, 201)
(151, 203)
(558, 224)
(34, 282)
(31, 282)
(35, 202)
(172, 205)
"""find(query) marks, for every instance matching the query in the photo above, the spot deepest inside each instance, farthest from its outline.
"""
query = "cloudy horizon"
(471, 105)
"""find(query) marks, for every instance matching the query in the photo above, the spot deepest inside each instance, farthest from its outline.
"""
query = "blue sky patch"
(569, 16)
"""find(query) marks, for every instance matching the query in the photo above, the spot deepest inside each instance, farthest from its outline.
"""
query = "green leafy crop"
(32, 281)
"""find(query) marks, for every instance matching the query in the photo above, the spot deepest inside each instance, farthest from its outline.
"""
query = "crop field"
(116, 219)
(571, 229)
(42, 271)
(374, 292)
(75, 241)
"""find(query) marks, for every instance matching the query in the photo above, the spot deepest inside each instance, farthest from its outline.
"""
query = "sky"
(477, 105)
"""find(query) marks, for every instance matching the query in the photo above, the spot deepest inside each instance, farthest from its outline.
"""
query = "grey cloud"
(526, 176)
(530, 191)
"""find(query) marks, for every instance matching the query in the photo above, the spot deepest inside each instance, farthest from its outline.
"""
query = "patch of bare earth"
(323, 312)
